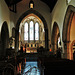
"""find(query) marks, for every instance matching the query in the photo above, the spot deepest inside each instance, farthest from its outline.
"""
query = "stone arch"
(66, 25)
(55, 35)
(4, 38)
(66, 29)
(21, 18)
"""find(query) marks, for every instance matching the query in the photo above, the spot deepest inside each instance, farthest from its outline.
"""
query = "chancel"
(37, 37)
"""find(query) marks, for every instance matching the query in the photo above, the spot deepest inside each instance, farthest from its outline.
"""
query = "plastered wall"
(4, 15)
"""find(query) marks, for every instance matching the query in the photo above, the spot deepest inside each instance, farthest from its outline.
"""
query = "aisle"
(31, 68)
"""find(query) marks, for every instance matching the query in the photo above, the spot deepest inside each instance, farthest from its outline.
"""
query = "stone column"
(66, 50)
(16, 40)
(46, 39)
(54, 48)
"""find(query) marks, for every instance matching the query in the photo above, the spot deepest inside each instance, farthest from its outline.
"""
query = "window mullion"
(34, 33)
(28, 32)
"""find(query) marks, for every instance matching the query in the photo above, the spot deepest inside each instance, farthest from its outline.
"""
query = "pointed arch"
(22, 17)
(66, 30)
(29, 12)
(67, 23)
(4, 38)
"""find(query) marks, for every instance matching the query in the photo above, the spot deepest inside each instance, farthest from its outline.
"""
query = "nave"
(37, 37)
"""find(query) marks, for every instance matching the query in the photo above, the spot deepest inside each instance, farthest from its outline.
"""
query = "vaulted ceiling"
(50, 3)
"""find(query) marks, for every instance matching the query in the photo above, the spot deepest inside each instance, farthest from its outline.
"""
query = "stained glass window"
(36, 31)
(26, 31)
(31, 30)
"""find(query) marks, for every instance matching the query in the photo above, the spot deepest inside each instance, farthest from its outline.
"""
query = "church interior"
(37, 37)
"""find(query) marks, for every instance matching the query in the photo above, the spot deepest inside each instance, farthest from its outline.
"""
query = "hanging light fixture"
(31, 4)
